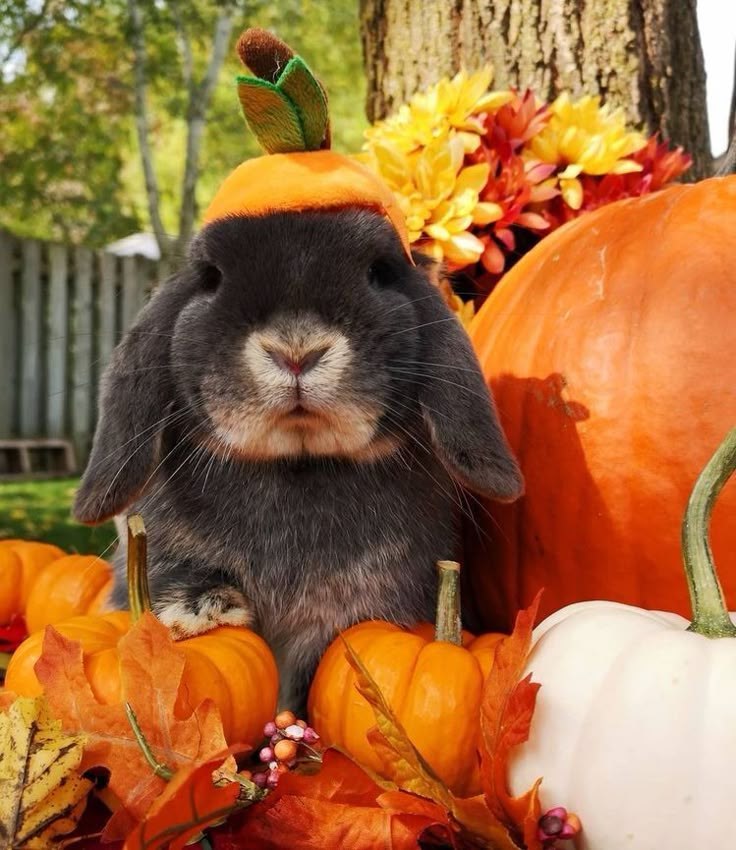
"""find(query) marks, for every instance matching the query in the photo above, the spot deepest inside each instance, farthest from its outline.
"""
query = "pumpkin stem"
(448, 626)
(139, 598)
(710, 615)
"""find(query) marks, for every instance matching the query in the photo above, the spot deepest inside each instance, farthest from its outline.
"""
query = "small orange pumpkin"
(433, 683)
(232, 666)
(44, 585)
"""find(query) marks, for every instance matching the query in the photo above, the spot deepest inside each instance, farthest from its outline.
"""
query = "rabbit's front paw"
(189, 613)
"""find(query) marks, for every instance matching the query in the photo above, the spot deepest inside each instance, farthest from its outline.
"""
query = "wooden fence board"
(60, 319)
(58, 341)
(82, 375)
(8, 337)
(31, 387)
(108, 265)
(133, 290)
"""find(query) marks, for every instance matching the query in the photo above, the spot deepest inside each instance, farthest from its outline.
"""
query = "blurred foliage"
(41, 510)
(69, 162)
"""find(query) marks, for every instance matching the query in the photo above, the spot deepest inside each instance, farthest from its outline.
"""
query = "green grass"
(41, 510)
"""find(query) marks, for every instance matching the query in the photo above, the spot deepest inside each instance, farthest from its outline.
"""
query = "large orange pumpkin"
(433, 686)
(42, 584)
(611, 352)
(232, 666)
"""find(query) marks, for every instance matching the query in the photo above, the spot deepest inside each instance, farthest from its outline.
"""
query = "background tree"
(63, 124)
(643, 55)
(70, 91)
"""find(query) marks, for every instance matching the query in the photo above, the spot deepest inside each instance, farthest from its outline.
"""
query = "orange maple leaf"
(338, 807)
(505, 717)
(150, 669)
(190, 802)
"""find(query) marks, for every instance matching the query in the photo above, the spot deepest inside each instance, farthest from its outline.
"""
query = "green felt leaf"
(271, 116)
(290, 115)
(299, 84)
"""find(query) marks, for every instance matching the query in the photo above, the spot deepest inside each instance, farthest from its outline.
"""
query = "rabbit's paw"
(188, 613)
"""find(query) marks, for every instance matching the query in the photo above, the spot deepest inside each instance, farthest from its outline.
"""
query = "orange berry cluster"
(287, 735)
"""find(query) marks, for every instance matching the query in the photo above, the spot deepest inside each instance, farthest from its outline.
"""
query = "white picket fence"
(62, 310)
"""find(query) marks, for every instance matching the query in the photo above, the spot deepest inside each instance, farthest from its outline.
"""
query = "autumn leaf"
(409, 771)
(403, 763)
(42, 794)
(506, 715)
(150, 668)
(190, 802)
(341, 806)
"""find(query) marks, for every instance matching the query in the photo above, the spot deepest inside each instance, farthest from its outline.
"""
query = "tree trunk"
(200, 95)
(142, 128)
(642, 55)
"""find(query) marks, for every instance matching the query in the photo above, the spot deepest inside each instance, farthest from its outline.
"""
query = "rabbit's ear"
(135, 393)
(458, 408)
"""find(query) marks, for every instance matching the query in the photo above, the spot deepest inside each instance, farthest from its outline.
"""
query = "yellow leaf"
(41, 793)
(403, 762)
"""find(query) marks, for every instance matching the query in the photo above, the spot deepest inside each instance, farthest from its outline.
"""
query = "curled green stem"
(710, 614)
(162, 770)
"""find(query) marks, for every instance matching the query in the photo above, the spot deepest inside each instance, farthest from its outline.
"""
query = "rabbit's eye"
(211, 278)
(380, 275)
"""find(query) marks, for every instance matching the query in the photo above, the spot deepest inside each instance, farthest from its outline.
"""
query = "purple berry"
(266, 754)
(276, 738)
(269, 729)
(310, 736)
(273, 779)
(260, 779)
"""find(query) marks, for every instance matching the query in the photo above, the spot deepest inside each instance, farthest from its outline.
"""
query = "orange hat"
(286, 107)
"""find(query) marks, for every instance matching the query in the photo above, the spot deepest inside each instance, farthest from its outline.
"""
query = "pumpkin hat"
(286, 107)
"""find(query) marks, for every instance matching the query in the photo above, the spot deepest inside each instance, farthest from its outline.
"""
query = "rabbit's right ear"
(135, 393)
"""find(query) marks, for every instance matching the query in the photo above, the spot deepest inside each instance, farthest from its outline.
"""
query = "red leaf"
(506, 714)
(190, 802)
(339, 807)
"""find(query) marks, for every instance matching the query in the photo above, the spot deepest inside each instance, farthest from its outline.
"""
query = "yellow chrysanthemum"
(449, 106)
(439, 198)
(585, 137)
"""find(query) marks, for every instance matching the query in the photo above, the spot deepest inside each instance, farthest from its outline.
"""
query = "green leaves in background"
(69, 164)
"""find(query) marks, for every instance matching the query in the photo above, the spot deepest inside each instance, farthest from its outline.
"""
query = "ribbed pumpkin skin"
(45, 585)
(76, 584)
(611, 352)
(231, 666)
(434, 688)
(21, 562)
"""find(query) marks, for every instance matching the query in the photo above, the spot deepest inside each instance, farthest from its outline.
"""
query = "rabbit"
(294, 414)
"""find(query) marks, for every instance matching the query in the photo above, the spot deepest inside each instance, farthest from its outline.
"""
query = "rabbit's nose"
(297, 365)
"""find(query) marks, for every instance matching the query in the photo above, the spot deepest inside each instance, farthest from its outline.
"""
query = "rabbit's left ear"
(458, 408)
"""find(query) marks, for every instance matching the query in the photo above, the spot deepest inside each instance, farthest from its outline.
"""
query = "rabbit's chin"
(347, 433)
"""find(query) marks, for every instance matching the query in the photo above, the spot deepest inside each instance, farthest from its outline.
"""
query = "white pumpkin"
(635, 725)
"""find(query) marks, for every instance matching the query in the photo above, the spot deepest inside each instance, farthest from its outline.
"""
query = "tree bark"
(200, 95)
(727, 165)
(142, 128)
(642, 55)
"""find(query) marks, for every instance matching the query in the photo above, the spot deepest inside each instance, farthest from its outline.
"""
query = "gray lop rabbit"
(294, 415)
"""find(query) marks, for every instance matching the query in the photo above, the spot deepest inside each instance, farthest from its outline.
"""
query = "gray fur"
(314, 542)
